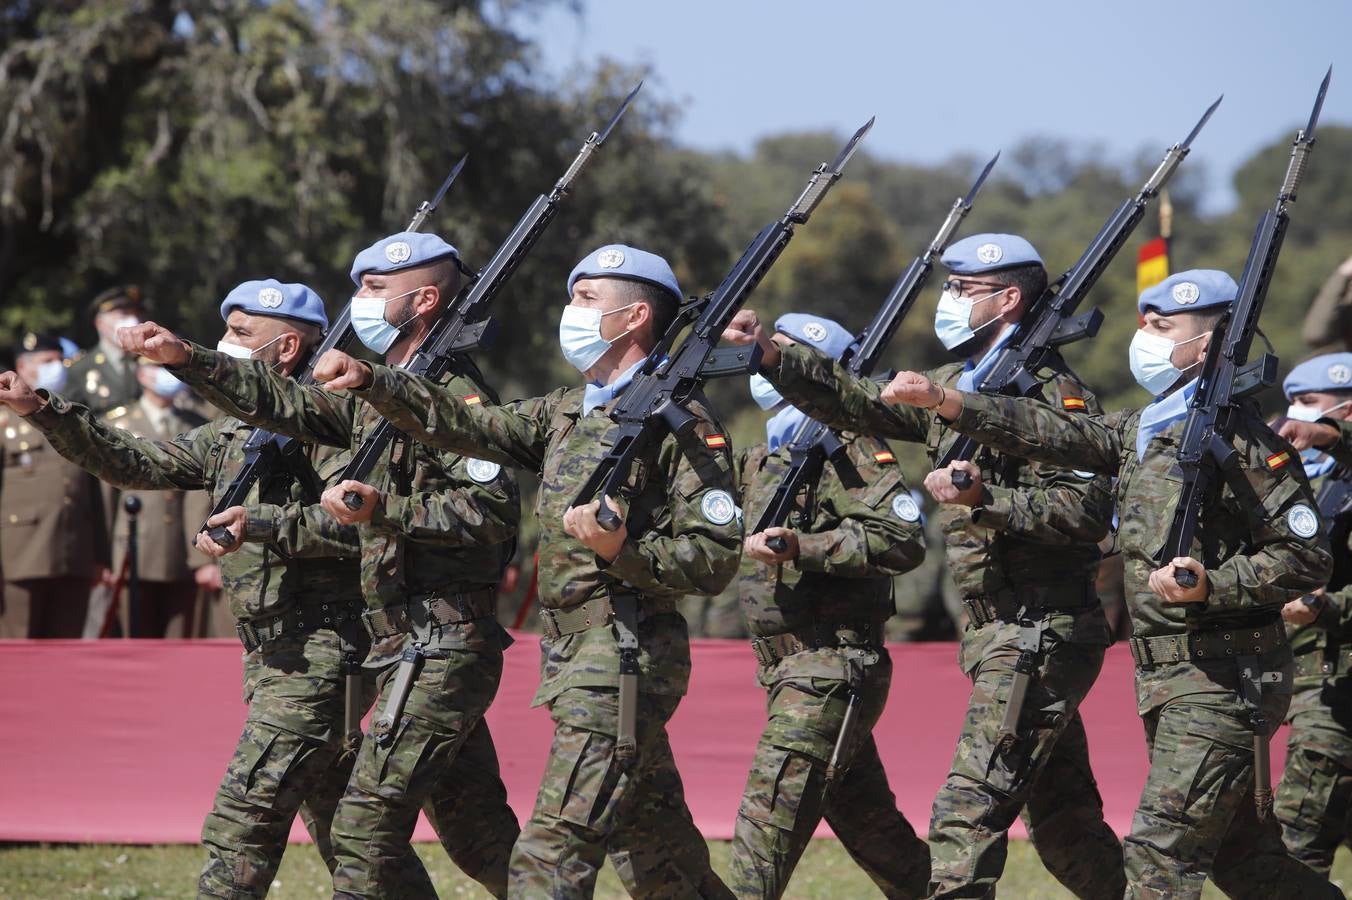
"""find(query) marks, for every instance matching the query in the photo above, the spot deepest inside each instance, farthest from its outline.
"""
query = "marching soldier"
(606, 787)
(436, 530)
(817, 610)
(53, 532)
(166, 560)
(1328, 324)
(1022, 548)
(1314, 801)
(1259, 545)
(105, 376)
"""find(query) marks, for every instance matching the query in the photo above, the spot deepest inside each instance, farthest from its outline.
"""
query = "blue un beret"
(271, 297)
(405, 250)
(818, 332)
(1330, 373)
(989, 253)
(1190, 291)
(621, 261)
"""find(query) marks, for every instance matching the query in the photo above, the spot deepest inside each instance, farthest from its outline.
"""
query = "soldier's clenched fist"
(155, 343)
(17, 394)
(337, 371)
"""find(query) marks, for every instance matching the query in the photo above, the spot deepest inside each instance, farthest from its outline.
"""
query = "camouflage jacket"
(689, 542)
(446, 522)
(1039, 525)
(1324, 647)
(851, 541)
(1255, 539)
(1328, 324)
(260, 580)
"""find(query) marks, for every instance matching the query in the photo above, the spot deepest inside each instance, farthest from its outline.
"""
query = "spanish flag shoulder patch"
(884, 456)
(473, 400)
(716, 441)
(1277, 460)
(1073, 403)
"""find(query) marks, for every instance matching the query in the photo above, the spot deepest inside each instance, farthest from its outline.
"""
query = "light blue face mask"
(953, 318)
(368, 321)
(764, 393)
(51, 376)
(165, 384)
(580, 335)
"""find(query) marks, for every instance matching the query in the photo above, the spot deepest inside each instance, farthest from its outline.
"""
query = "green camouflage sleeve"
(1034, 430)
(480, 510)
(871, 530)
(1341, 451)
(513, 434)
(250, 390)
(301, 530)
(1335, 614)
(826, 391)
(121, 459)
(695, 545)
(1329, 321)
(1064, 507)
(1288, 552)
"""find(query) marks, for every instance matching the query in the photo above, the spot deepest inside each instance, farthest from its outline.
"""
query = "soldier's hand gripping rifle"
(466, 322)
(654, 404)
(1050, 323)
(263, 450)
(1206, 453)
(814, 443)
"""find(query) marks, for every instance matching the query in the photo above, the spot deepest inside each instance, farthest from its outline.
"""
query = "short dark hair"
(662, 304)
(445, 275)
(1030, 279)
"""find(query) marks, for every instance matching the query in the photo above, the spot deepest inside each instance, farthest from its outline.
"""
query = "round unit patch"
(905, 508)
(610, 258)
(269, 298)
(482, 470)
(1340, 374)
(398, 252)
(814, 332)
(1185, 293)
(1302, 521)
(718, 507)
(989, 253)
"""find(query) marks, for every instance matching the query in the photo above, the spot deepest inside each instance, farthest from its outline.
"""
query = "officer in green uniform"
(1259, 545)
(1328, 324)
(1022, 547)
(817, 610)
(436, 529)
(1314, 801)
(105, 376)
(680, 535)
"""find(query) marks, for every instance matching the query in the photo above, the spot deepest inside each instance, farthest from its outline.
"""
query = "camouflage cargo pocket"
(406, 755)
(590, 779)
(263, 769)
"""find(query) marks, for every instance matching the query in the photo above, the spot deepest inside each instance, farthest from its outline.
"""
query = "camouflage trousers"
(786, 793)
(442, 761)
(289, 759)
(1197, 816)
(590, 804)
(1314, 800)
(1044, 777)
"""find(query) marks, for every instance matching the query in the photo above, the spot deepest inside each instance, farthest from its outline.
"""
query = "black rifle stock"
(1227, 378)
(467, 323)
(1050, 322)
(263, 450)
(654, 404)
(814, 443)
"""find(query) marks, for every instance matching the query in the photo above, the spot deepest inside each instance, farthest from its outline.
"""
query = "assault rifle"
(263, 450)
(467, 323)
(1050, 323)
(814, 443)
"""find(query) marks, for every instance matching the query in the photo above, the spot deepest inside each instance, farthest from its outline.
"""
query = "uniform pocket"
(263, 769)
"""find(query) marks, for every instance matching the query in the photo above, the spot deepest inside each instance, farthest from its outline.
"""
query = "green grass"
(132, 873)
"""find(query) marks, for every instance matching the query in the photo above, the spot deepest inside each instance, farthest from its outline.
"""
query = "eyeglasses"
(958, 286)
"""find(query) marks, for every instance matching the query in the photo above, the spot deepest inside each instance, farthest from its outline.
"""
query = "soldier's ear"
(427, 300)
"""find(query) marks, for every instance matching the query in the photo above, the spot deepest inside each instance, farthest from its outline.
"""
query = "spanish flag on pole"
(1152, 263)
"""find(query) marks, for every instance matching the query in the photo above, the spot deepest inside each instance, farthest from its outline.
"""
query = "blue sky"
(966, 76)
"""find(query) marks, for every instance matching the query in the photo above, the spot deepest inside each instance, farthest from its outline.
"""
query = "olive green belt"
(448, 609)
(1218, 643)
(304, 617)
(1004, 605)
(770, 649)
(597, 612)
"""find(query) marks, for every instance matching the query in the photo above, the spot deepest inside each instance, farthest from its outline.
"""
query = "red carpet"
(125, 741)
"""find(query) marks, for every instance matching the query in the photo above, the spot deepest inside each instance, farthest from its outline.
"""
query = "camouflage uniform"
(1197, 816)
(431, 557)
(288, 757)
(1031, 544)
(1328, 324)
(1314, 800)
(685, 539)
(719, 616)
(818, 623)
